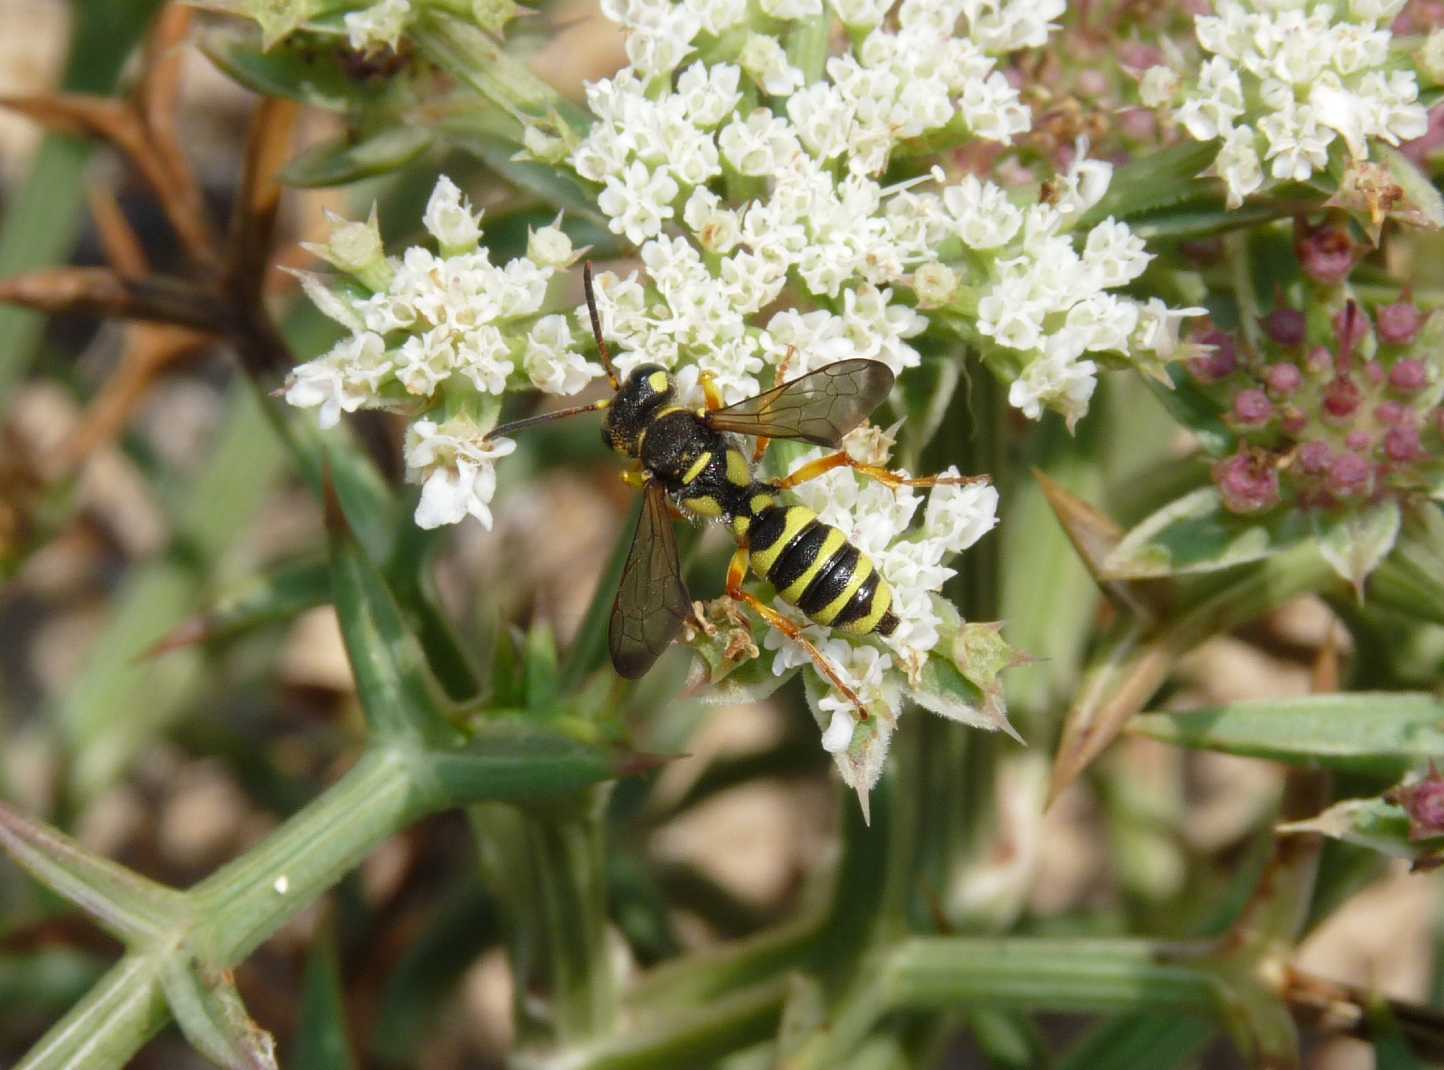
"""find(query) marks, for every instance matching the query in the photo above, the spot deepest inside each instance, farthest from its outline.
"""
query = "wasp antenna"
(597, 324)
(546, 418)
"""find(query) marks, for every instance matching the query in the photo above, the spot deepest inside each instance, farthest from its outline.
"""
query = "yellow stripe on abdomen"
(763, 555)
(860, 573)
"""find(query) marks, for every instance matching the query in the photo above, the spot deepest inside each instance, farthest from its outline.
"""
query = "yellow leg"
(760, 450)
(710, 391)
(736, 573)
(840, 459)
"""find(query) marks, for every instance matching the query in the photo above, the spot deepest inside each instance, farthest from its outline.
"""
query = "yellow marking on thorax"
(827, 613)
(759, 502)
(657, 381)
(741, 524)
(696, 470)
(739, 473)
(830, 546)
(881, 603)
(763, 558)
(704, 505)
(667, 411)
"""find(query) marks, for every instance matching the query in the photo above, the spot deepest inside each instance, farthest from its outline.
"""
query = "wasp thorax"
(646, 390)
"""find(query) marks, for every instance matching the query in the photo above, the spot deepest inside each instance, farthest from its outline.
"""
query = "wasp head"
(646, 390)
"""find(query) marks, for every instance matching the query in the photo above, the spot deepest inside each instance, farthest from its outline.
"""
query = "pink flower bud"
(1219, 362)
(1248, 483)
(1402, 444)
(1351, 326)
(1390, 413)
(1286, 326)
(1409, 376)
(1315, 457)
(1399, 323)
(1326, 254)
(1374, 372)
(1349, 475)
(1424, 803)
(1320, 362)
(1252, 408)
(1294, 421)
(1283, 379)
(1359, 441)
(1341, 398)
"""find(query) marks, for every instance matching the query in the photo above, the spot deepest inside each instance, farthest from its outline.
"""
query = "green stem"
(124, 1010)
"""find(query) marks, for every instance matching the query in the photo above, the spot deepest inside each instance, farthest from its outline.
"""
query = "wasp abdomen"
(815, 568)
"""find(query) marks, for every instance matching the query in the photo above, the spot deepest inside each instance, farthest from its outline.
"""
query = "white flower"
(760, 145)
(862, 14)
(449, 218)
(709, 94)
(456, 467)
(1238, 164)
(638, 201)
(425, 361)
(342, 380)
(550, 247)
(959, 515)
(718, 16)
(823, 118)
(484, 357)
(1158, 86)
(765, 62)
(981, 212)
(377, 26)
(551, 363)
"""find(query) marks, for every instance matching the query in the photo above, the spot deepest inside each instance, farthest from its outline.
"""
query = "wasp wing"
(818, 407)
(652, 601)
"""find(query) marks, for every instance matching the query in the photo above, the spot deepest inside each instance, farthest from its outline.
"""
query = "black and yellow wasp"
(688, 461)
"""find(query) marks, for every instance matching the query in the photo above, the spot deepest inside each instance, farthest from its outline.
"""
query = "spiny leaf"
(210, 1014)
(307, 74)
(399, 694)
(1373, 823)
(1375, 733)
(1195, 533)
(125, 904)
(340, 162)
(1355, 542)
(1136, 659)
(1155, 180)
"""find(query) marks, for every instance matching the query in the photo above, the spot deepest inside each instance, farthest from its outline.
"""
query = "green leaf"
(294, 70)
(1195, 533)
(281, 594)
(340, 162)
(1159, 1041)
(1411, 578)
(540, 667)
(134, 910)
(322, 1043)
(399, 695)
(1197, 410)
(1382, 734)
(210, 1014)
(1373, 823)
(1354, 543)
(1204, 219)
(1155, 180)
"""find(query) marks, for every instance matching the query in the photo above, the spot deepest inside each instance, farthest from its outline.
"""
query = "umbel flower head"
(796, 210)
(1286, 88)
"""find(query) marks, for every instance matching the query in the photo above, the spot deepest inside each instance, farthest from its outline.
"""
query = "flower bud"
(1359, 441)
(1158, 86)
(1408, 376)
(1390, 413)
(1351, 327)
(1349, 475)
(1315, 457)
(1320, 362)
(1399, 323)
(1218, 362)
(1285, 326)
(934, 284)
(1341, 398)
(550, 247)
(1248, 483)
(543, 146)
(1283, 379)
(1402, 444)
(1423, 801)
(1326, 254)
(352, 246)
(1252, 408)
(1294, 421)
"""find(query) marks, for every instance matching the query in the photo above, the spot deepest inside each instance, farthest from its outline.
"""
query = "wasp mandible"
(687, 460)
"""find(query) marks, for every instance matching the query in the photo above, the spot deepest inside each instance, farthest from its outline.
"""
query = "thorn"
(636, 763)
(187, 633)
(864, 803)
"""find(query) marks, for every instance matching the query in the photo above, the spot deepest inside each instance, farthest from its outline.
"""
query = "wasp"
(687, 462)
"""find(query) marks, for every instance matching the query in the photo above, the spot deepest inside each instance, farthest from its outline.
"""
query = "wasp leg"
(760, 450)
(635, 477)
(736, 573)
(709, 391)
(840, 459)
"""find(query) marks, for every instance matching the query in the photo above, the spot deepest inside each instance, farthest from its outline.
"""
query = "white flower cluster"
(736, 206)
(1285, 81)
(446, 330)
(913, 557)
